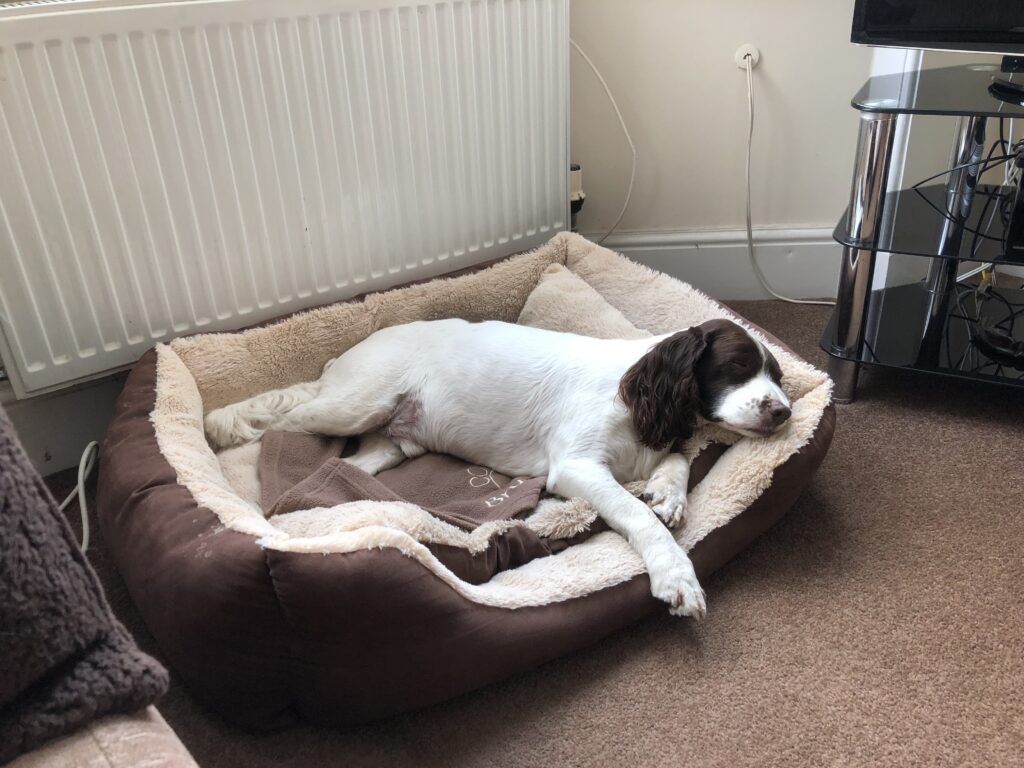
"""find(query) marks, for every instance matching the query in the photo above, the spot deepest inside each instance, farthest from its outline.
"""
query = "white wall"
(670, 65)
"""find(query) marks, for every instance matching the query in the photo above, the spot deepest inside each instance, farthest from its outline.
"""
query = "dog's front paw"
(666, 500)
(677, 585)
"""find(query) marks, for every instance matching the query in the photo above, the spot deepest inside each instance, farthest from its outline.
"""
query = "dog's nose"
(779, 412)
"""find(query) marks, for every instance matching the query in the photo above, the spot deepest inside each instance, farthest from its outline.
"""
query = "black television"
(989, 26)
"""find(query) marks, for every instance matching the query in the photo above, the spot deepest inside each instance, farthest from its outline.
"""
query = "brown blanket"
(299, 471)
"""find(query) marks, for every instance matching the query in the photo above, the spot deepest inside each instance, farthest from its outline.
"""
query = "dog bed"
(341, 609)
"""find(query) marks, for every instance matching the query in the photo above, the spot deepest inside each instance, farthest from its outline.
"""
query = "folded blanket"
(64, 658)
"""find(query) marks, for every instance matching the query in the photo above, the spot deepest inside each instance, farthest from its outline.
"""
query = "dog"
(588, 413)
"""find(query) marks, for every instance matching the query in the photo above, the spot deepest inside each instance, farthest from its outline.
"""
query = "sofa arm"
(117, 741)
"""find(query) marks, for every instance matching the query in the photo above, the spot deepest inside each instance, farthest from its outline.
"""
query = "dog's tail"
(245, 422)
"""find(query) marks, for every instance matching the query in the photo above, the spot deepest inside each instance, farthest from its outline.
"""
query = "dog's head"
(716, 370)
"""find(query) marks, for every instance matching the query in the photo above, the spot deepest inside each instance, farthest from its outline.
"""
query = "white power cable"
(1008, 167)
(750, 230)
(85, 465)
(625, 131)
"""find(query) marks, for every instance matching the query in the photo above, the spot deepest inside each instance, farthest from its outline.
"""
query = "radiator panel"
(204, 166)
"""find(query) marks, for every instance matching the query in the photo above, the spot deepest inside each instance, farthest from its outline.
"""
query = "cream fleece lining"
(574, 279)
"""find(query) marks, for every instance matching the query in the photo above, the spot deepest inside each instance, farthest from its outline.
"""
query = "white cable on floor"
(750, 230)
(85, 465)
(625, 130)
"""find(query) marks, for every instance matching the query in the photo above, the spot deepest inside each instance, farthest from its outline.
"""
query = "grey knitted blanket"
(64, 658)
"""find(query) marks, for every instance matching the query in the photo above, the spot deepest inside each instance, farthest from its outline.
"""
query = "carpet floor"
(880, 623)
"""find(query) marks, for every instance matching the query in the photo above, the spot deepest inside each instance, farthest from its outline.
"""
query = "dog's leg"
(355, 409)
(672, 577)
(340, 414)
(246, 421)
(376, 453)
(666, 489)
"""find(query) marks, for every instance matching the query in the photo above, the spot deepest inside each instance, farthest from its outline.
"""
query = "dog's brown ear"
(661, 390)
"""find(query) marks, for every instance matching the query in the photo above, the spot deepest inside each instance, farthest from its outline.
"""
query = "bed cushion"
(344, 617)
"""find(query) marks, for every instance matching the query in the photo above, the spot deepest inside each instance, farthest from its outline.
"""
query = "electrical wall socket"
(747, 49)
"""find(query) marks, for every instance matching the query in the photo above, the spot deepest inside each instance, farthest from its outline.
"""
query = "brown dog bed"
(281, 583)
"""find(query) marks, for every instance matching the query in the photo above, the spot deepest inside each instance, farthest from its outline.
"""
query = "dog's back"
(500, 394)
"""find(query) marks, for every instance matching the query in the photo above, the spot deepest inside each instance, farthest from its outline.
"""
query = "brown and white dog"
(588, 413)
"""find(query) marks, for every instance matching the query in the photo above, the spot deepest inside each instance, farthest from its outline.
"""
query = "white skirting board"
(55, 428)
(799, 263)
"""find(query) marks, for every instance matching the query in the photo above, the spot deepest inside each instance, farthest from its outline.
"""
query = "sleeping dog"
(588, 413)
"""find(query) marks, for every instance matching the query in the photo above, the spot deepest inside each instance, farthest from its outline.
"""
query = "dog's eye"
(740, 364)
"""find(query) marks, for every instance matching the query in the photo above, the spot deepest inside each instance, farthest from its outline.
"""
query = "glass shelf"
(959, 90)
(914, 220)
(896, 334)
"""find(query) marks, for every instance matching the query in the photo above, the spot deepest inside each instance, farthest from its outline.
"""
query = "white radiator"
(174, 167)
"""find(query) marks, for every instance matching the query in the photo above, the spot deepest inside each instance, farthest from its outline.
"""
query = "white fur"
(522, 400)
(666, 489)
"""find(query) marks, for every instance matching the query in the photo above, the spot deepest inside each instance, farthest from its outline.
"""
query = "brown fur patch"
(406, 417)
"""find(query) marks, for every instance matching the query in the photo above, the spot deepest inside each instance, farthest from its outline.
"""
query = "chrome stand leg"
(871, 172)
(844, 374)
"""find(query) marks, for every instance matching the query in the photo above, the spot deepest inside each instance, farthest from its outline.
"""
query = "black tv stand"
(938, 325)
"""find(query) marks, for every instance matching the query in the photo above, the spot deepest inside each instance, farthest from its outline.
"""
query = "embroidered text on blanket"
(481, 476)
(503, 497)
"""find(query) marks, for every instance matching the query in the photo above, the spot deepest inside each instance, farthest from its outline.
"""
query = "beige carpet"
(880, 623)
